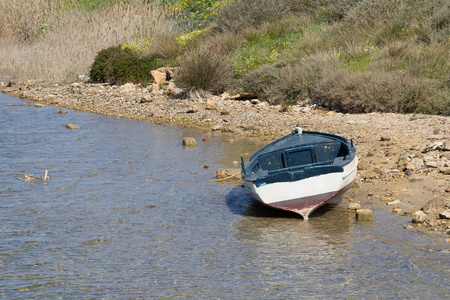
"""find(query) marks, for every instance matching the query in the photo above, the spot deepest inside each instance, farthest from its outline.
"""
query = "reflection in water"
(129, 213)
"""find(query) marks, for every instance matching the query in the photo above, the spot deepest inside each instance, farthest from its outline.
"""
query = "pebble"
(396, 210)
(354, 206)
(393, 202)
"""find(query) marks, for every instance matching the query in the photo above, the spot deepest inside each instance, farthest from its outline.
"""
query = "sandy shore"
(404, 159)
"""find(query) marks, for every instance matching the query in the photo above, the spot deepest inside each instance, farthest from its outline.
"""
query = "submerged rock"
(364, 215)
(72, 126)
(228, 174)
(189, 142)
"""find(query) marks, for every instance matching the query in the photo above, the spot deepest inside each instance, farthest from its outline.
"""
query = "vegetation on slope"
(350, 55)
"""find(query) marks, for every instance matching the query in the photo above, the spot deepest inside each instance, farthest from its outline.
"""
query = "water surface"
(129, 213)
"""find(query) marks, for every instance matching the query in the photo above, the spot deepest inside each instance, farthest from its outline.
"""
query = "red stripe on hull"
(304, 202)
(308, 203)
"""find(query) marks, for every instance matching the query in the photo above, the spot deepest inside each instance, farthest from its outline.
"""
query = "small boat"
(301, 171)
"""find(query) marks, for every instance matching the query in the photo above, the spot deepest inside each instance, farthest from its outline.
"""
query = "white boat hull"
(304, 196)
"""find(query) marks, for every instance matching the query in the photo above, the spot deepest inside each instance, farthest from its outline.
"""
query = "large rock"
(163, 75)
(210, 104)
(434, 146)
(415, 164)
(433, 205)
(445, 170)
(446, 146)
(419, 217)
(445, 214)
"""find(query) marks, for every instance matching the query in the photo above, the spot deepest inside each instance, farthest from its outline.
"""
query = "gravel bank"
(404, 159)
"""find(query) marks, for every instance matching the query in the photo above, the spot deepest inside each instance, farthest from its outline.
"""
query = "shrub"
(164, 46)
(134, 69)
(121, 65)
(205, 69)
(101, 69)
(437, 101)
(383, 92)
(328, 83)
(259, 81)
(285, 83)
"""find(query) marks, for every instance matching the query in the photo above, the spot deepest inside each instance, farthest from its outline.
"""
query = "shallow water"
(128, 212)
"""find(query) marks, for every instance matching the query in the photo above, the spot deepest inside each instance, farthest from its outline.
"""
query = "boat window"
(297, 158)
(327, 152)
(271, 161)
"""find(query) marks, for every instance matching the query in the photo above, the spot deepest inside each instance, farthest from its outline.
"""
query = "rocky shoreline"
(404, 159)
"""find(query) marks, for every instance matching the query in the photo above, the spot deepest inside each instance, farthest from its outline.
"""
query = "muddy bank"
(404, 159)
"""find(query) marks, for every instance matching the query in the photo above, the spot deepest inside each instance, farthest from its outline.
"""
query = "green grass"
(262, 49)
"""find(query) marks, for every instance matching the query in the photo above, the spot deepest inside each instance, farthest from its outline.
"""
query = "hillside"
(351, 56)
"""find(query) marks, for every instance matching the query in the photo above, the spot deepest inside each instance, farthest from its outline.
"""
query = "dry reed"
(74, 37)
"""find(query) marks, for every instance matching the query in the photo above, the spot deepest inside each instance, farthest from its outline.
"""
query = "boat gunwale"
(286, 137)
(249, 175)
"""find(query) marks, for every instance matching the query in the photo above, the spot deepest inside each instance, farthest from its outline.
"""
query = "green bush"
(134, 69)
(121, 65)
(101, 68)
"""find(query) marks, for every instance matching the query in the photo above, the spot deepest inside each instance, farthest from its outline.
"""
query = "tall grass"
(74, 37)
(205, 69)
(25, 20)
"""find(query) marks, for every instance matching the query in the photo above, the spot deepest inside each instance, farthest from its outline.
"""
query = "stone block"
(364, 215)
(189, 142)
